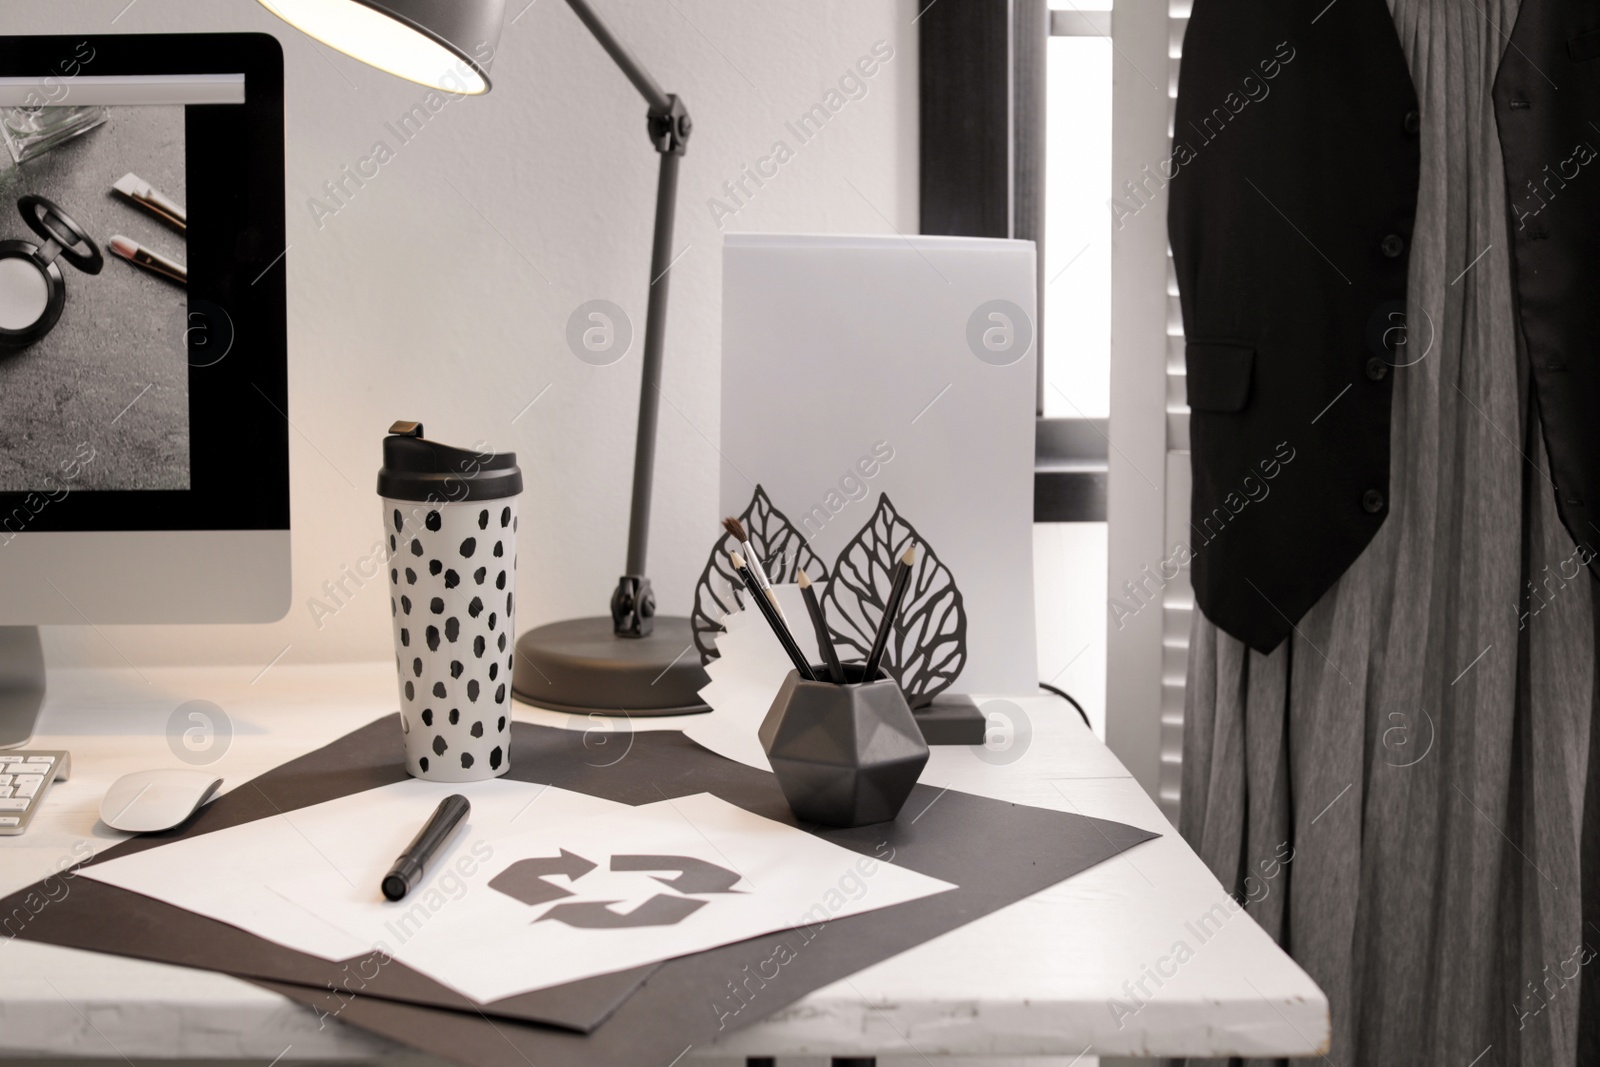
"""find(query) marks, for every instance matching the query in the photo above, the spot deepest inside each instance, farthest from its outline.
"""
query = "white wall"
(441, 290)
(1069, 571)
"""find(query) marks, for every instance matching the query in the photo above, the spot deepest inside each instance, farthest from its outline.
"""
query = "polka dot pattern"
(455, 708)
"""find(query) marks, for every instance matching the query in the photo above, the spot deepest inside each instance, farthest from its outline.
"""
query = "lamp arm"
(633, 604)
(641, 79)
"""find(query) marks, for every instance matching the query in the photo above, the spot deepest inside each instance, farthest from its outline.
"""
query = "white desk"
(1035, 979)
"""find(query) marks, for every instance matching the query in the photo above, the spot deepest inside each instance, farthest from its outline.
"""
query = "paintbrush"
(780, 629)
(897, 593)
(830, 655)
(736, 530)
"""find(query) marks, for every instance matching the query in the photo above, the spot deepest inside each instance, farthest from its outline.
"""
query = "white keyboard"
(25, 777)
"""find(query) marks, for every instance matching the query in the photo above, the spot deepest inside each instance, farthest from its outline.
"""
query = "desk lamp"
(633, 662)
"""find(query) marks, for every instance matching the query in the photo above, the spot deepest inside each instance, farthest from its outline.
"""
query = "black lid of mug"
(415, 468)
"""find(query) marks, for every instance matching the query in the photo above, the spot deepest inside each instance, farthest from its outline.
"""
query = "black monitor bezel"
(238, 262)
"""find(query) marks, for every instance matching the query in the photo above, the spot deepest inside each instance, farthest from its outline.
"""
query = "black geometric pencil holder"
(844, 755)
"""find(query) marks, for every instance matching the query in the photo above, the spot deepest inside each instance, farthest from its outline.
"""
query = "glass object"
(32, 131)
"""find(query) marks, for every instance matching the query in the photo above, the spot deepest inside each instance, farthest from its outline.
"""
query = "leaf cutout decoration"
(928, 643)
(783, 551)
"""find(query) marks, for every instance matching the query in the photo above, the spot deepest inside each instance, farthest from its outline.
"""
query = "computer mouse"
(146, 801)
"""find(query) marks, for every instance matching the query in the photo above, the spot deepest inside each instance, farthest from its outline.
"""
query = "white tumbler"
(450, 523)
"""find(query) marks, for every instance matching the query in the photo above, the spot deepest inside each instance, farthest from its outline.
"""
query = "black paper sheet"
(996, 852)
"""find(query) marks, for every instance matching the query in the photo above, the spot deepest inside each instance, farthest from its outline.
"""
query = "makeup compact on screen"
(32, 289)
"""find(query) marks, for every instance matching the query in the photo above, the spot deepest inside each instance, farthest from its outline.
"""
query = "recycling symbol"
(527, 881)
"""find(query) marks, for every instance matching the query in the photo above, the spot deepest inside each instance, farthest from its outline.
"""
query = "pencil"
(830, 655)
(897, 594)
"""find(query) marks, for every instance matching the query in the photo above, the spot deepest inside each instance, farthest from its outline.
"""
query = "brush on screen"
(142, 194)
(144, 258)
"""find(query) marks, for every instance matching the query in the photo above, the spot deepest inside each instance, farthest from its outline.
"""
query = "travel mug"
(450, 522)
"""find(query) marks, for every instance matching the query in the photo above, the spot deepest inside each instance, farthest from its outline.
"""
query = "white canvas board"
(851, 368)
(353, 840)
(615, 891)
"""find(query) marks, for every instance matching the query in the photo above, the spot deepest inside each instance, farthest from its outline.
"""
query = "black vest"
(1293, 196)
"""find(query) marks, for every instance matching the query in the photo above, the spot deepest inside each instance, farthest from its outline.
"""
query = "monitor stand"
(21, 683)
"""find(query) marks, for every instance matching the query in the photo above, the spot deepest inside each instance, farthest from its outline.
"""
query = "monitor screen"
(142, 280)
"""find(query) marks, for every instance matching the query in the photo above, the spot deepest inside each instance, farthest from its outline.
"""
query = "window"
(1075, 301)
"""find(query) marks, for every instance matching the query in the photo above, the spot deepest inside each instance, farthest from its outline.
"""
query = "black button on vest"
(1372, 501)
(1393, 245)
(1377, 369)
(1413, 121)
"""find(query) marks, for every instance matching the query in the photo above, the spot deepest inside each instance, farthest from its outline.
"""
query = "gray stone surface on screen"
(114, 371)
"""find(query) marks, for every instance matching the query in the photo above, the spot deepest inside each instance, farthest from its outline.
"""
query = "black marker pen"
(408, 869)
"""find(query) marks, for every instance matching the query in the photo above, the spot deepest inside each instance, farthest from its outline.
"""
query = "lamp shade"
(443, 44)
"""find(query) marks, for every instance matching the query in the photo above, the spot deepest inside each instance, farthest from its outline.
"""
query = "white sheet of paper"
(749, 669)
(840, 350)
(584, 908)
(352, 840)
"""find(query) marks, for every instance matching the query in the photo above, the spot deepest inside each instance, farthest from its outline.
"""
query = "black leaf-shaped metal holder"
(783, 551)
(928, 642)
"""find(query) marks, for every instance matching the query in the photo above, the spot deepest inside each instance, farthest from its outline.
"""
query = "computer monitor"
(144, 434)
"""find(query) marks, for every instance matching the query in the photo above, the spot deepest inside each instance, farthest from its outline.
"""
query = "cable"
(1064, 695)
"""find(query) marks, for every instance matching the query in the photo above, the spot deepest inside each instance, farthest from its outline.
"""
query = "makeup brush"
(142, 194)
(897, 593)
(154, 262)
(830, 655)
(735, 530)
(779, 629)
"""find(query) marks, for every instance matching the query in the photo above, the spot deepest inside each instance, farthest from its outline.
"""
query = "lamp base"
(581, 666)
